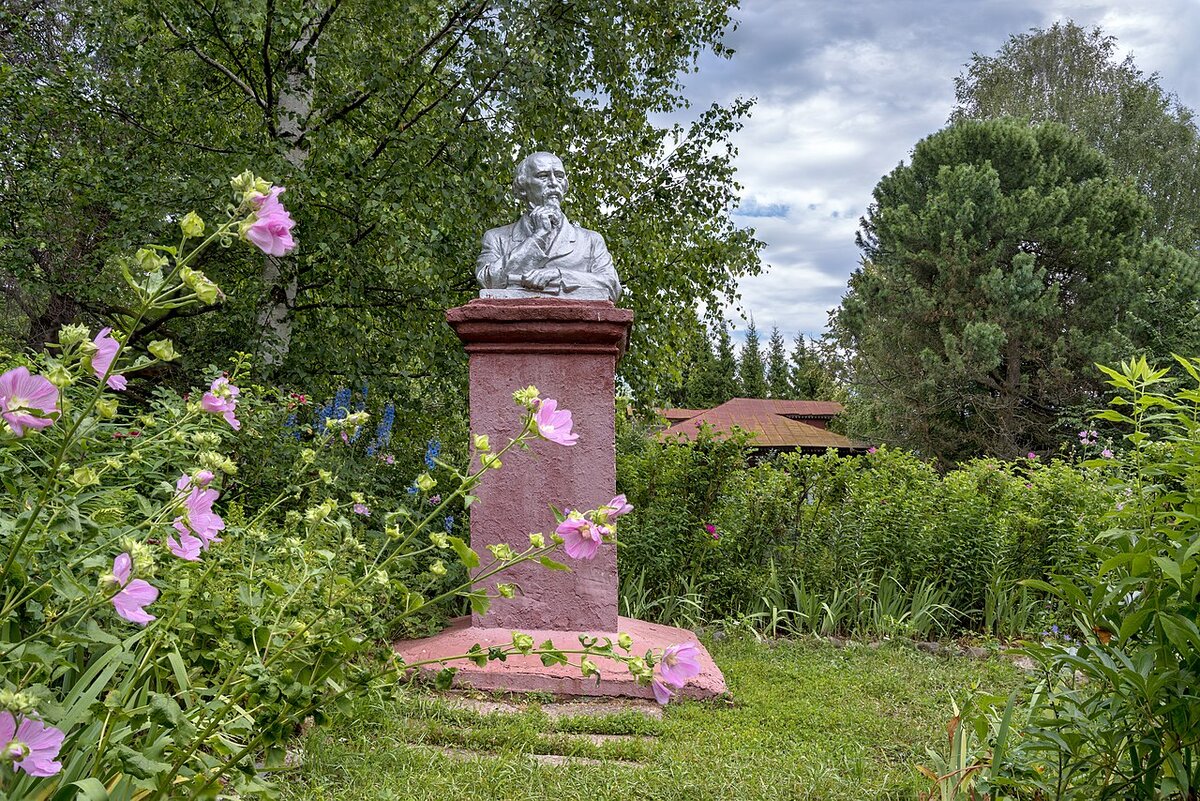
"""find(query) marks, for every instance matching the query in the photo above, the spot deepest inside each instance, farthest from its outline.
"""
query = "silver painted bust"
(543, 253)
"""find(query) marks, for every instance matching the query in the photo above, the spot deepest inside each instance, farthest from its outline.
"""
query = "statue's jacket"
(580, 256)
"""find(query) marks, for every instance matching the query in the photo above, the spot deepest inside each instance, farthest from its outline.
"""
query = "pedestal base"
(528, 674)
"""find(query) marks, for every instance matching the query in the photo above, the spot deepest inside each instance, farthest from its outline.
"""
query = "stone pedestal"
(569, 351)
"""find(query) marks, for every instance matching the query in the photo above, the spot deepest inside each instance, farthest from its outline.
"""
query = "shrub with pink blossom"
(163, 634)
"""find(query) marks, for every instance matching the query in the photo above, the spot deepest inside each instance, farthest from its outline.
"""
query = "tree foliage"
(779, 373)
(396, 135)
(752, 369)
(1069, 74)
(998, 267)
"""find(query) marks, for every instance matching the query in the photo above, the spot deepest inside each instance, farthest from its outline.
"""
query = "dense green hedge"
(831, 524)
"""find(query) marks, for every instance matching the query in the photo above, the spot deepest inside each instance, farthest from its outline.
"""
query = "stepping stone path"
(552, 740)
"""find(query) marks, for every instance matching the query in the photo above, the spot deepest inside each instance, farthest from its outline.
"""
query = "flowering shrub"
(158, 639)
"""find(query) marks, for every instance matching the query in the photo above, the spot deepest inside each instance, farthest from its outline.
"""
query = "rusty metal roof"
(766, 421)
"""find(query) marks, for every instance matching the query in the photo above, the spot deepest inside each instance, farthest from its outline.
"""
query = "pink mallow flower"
(581, 537)
(30, 745)
(106, 351)
(1106, 453)
(187, 546)
(362, 509)
(198, 519)
(662, 693)
(134, 594)
(616, 507)
(271, 231)
(679, 663)
(221, 399)
(553, 423)
(21, 394)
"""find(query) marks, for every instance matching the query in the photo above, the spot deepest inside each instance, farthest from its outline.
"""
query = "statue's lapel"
(522, 230)
(564, 243)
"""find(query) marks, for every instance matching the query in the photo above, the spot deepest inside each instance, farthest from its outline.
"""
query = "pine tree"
(751, 370)
(779, 373)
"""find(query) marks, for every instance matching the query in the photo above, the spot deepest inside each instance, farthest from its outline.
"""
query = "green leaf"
(1170, 569)
(547, 562)
(480, 602)
(89, 789)
(444, 679)
(468, 557)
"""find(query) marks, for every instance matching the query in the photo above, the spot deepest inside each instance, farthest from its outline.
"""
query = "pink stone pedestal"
(524, 674)
(569, 351)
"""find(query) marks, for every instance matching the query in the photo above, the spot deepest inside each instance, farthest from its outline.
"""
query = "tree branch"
(212, 62)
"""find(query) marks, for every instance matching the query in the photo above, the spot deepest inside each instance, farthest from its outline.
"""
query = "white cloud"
(846, 90)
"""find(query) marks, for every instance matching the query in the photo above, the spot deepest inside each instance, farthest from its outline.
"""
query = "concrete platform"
(521, 674)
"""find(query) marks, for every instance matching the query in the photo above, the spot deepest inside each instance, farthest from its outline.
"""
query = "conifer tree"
(751, 370)
(808, 376)
(725, 378)
(779, 378)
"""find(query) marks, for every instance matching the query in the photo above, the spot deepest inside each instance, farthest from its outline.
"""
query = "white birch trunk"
(291, 110)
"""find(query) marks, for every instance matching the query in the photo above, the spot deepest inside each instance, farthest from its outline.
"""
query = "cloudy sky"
(844, 91)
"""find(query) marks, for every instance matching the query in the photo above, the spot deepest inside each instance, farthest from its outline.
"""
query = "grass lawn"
(808, 721)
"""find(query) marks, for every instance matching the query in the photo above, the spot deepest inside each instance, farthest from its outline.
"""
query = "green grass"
(808, 721)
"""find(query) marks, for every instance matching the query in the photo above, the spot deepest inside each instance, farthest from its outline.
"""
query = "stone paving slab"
(556, 710)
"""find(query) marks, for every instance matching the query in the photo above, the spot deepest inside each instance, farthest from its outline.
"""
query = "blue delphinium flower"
(448, 523)
(341, 402)
(432, 451)
(412, 489)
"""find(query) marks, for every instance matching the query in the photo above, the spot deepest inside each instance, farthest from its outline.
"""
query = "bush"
(829, 533)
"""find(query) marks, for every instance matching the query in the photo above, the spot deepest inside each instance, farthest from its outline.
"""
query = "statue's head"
(540, 180)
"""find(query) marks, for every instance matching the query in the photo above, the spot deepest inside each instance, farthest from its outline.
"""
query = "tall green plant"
(1117, 715)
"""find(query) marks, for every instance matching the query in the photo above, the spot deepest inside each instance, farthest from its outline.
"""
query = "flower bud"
(84, 477)
(308, 456)
(438, 568)
(506, 590)
(624, 641)
(522, 642)
(526, 396)
(588, 668)
(59, 375)
(482, 444)
(192, 225)
(163, 349)
(107, 408)
(537, 540)
(439, 540)
(426, 482)
(18, 703)
(72, 334)
(490, 461)
(501, 551)
(325, 476)
(149, 261)
(392, 532)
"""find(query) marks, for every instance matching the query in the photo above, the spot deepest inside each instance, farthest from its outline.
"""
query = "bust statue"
(543, 253)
